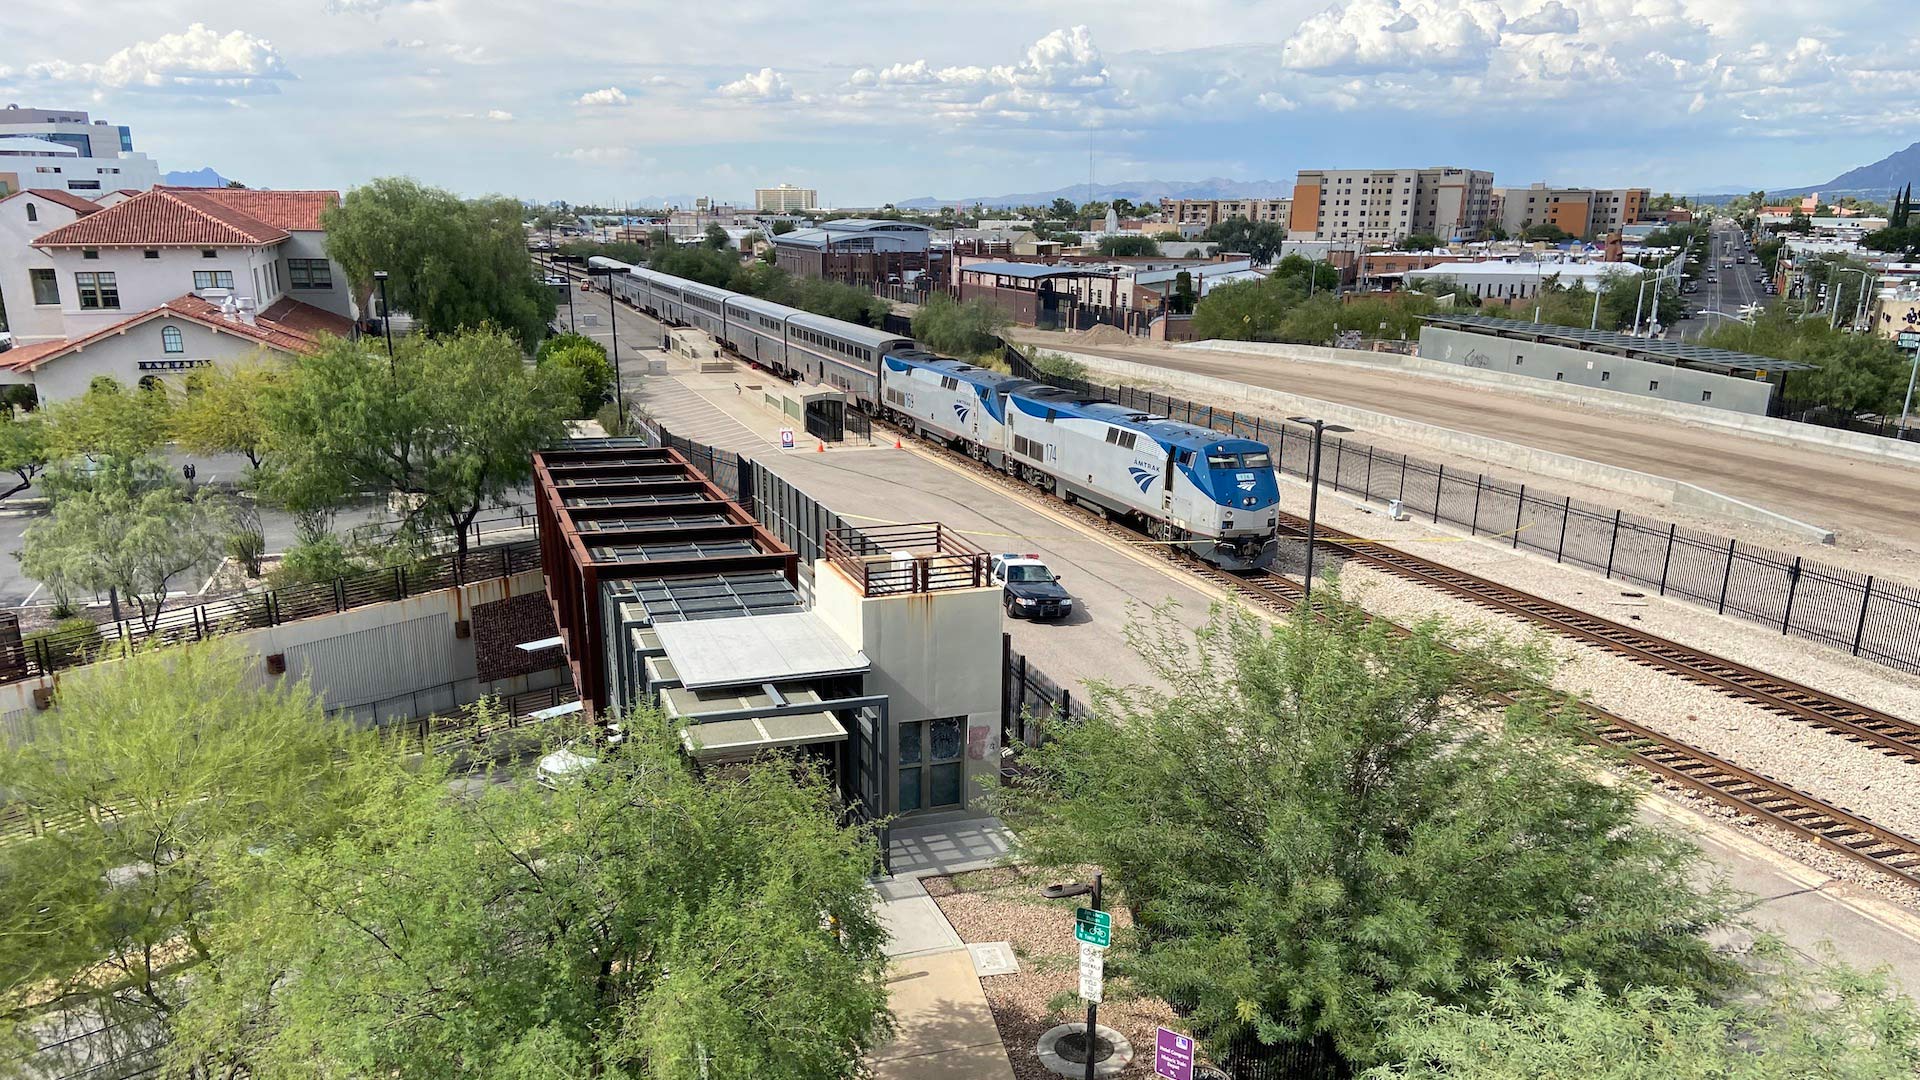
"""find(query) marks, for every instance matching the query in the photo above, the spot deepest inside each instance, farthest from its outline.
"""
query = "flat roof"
(752, 649)
(1677, 353)
(723, 739)
(710, 596)
(1031, 271)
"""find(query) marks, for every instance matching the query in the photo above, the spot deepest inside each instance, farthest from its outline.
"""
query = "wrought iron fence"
(1028, 697)
(1860, 613)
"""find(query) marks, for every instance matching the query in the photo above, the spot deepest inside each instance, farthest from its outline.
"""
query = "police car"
(1030, 589)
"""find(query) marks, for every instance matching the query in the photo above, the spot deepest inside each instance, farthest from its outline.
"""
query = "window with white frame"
(212, 279)
(98, 292)
(171, 342)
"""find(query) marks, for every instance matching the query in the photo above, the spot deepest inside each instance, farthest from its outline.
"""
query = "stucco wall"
(367, 657)
(145, 283)
(120, 356)
(27, 321)
(934, 655)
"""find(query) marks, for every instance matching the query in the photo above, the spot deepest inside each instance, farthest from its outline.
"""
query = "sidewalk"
(945, 1030)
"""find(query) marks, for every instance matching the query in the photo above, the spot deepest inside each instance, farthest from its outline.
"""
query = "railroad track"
(1850, 720)
(1752, 794)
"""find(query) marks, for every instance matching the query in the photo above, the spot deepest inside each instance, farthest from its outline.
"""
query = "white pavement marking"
(36, 592)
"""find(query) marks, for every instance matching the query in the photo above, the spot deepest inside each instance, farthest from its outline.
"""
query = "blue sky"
(870, 101)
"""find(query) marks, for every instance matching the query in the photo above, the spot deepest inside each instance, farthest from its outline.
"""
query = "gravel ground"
(1006, 905)
(1883, 789)
(1749, 643)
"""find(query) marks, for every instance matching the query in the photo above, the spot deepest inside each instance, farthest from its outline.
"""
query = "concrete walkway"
(945, 1029)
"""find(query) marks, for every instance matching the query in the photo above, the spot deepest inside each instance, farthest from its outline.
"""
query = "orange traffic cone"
(820, 448)
(897, 446)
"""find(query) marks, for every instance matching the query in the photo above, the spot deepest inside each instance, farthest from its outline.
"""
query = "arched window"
(170, 341)
(33, 212)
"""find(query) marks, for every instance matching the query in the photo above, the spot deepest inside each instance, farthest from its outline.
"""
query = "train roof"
(846, 331)
(1166, 431)
(604, 263)
(765, 307)
(974, 374)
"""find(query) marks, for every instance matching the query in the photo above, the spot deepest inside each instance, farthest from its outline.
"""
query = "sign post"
(1093, 972)
(1173, 1055)
(786, 438)
(1094, 928)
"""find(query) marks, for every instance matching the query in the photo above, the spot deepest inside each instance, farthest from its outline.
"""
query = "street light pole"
(1320, 428)
(1906, 403)
(386, 315)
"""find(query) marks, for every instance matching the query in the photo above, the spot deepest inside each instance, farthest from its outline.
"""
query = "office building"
(64, 150)
(1587, 213)
(784, 199)
(1381, 206)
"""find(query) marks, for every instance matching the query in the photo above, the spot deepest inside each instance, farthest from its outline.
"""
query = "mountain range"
(1139, 191)
(196, 178)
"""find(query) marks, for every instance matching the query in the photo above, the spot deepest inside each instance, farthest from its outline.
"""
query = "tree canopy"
(220, 412)
(23, 448)
(584, 362)
(1259, 240)
(1856, 373)
(453, 424)
(130, 528)
(453, 264)
(1317, 817)
(1127, 246)
(956, 328)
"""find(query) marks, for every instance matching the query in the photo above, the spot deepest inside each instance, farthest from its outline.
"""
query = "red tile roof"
(295, 327)
(183, 217)
(294, 211)
(306, 319)
(75, 203)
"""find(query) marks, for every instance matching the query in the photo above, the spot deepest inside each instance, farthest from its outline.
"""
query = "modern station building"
(65, 150)
(880, 662)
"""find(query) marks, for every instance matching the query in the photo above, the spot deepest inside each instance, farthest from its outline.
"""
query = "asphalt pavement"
(1732, 289)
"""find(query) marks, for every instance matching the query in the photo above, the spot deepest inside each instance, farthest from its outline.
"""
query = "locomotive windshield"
(1252, 459)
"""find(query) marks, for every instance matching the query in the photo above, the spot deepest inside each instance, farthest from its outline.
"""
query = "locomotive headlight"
(1226, 520)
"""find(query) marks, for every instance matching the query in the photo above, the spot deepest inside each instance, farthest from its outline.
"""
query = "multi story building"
(164, 282)
(1588, 213)
(1207, 213)
(785, 198)
(859, 251)
(63, 150)
(1380, 206)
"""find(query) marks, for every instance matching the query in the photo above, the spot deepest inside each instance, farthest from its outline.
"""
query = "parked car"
(1029, 588)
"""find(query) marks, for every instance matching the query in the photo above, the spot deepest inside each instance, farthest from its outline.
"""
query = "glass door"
(932, 769)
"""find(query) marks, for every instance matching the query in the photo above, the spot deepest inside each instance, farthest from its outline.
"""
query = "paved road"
(1732, 289)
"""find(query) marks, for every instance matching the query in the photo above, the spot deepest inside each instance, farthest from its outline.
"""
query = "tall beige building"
(1589, 213)
(1211, 212)
(785, 198)
(1382, 206)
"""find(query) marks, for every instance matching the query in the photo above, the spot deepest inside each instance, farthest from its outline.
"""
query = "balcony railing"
(892, 560)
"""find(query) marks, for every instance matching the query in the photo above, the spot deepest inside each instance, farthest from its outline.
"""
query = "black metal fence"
(1870, 618)
(1814, 412)
(1028, 696)
(45, 652)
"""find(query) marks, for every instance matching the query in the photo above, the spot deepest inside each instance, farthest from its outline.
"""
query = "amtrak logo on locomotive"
(1145, 474)
(960, 410)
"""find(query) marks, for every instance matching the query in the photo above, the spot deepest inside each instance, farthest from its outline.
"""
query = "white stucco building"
(162, 282)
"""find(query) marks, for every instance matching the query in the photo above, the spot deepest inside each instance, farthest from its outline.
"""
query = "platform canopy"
(756, 649)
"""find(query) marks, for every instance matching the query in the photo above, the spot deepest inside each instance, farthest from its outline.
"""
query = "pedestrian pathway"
(945, 1029)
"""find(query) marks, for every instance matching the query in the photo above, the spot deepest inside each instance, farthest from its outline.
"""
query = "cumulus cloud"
(763, 85)
(1553, 18)
(197, 60)
(1063, 60)
(499, 115)
(410, 43)
(611, 95)
(1371, 36)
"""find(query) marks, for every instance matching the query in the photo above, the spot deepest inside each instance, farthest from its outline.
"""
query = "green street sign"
(1093, 927)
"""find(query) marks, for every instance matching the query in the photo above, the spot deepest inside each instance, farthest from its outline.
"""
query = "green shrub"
(321, 559)
(585, 363)
(67, 642)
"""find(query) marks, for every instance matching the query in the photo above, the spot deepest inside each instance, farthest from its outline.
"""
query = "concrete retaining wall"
(354, 659)
(1206, 389)
(1765, 428)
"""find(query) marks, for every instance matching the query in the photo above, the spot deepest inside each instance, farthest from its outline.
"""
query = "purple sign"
(1173, 1055)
